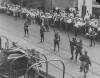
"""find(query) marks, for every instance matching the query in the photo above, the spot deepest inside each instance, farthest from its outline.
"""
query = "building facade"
(4, 0)
(47, 5)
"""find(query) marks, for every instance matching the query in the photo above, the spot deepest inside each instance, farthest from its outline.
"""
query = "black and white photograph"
(49, 38)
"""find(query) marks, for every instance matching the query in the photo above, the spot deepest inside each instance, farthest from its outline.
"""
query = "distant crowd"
(67, 19)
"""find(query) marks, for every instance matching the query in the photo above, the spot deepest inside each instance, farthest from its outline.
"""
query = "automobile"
(18, 62)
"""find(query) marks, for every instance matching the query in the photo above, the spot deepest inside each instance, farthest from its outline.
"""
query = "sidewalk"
(72, 68)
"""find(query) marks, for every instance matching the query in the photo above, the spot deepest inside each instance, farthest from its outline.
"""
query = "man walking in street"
(79, 47)
(92, 36)
(72, 47)
(85, 62)
(42, 30)
(26, 29)
(56, 40)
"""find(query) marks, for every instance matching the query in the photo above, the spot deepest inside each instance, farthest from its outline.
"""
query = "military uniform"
(42, 30)
(79, 48)
(26, 30)
(85, 61)
(92, 37)
(72, 46)
(56, 40)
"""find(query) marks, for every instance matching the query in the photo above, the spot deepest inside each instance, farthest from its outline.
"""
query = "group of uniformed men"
(56, 37)
(78, 46)
(84, 58)
(74, 45)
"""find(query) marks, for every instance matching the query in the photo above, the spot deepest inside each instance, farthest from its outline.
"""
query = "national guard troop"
(72, 47)
(26, 29)
(79, 47)
(92, 36)
(42, 30)
(56, 40)
(85, 62)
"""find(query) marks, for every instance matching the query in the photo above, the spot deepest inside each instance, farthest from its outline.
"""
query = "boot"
(71, 58)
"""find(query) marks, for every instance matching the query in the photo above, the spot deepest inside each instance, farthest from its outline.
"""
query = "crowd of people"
(68, 20)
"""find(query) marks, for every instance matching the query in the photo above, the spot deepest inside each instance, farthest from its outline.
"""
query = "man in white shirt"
(76, 28)
(98, 33)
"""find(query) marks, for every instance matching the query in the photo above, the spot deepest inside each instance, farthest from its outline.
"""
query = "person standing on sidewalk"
(79, 47)
(26, 29)
(72, 47)
(92, 36)
(85, 62)
(76, 28)
(42, 30)
(56, 40)
(15, 14)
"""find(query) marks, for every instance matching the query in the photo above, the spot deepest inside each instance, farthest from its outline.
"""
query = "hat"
(13, 43)
(57, 32)
(85, 52)
(33, 50)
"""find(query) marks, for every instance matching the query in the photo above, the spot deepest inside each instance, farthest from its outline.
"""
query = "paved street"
(14, 31)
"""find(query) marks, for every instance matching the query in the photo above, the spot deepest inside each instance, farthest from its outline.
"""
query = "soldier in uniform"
(26, 30)
(92, 36)
(56, 40)
(85, 62)
(79, 47)
(42, 30)
(72, 46)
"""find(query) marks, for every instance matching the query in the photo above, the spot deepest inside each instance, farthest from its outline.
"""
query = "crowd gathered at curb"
(68, 19)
